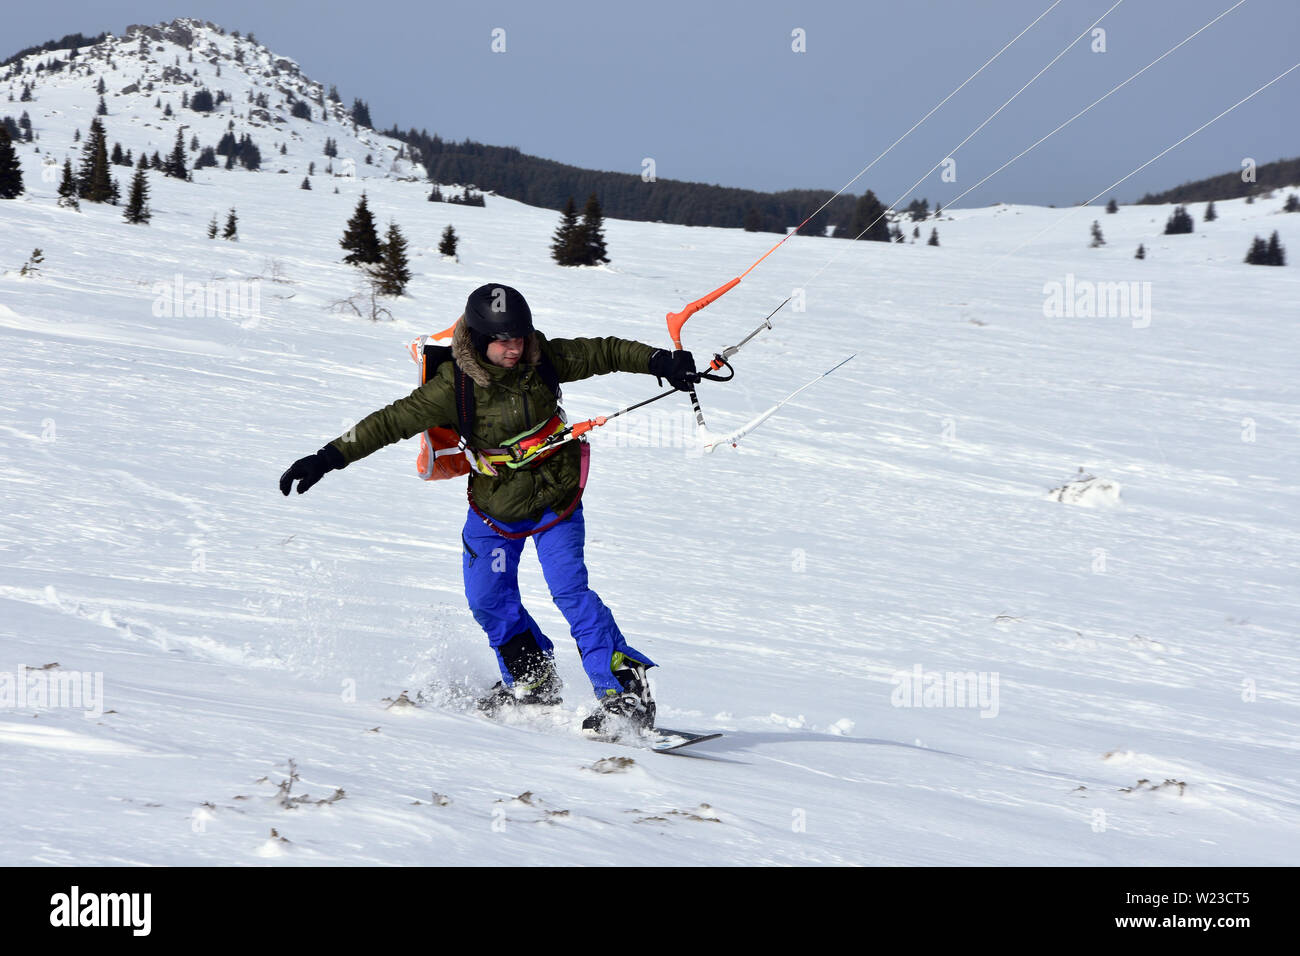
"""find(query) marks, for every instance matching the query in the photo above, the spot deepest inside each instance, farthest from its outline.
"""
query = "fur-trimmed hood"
(475, 364)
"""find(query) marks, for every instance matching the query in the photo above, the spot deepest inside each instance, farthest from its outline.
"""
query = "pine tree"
(1097, 239)
(33, 264)
(1141, 253)
(93, 182)
(117, 158)
(1112, 206)
(435, 195)
(817, 223)
(137, 207)
(176, 165)
(867, 221)
(360, 238)
(934, 238)
(447, 246)
(593, 233)
(1210, 214)
(566, 245)
(250, 157)
(916, 232)
(1275, 253)
(1257, 254)
(232, 226)
(68, 188)
(144, 161)
(1180, 221)
(306, 183)
(11, 170)
(212, 227)
(102, 108)
(392, 272)
(1292, 203)
(100, 88)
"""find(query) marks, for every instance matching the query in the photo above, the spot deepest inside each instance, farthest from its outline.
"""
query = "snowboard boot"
(633, 708)
(533, 677)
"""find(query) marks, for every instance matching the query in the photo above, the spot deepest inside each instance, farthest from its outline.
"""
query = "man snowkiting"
(506, 364)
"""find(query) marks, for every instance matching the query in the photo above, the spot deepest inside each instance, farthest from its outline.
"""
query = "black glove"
(307, 471)
(677, 367)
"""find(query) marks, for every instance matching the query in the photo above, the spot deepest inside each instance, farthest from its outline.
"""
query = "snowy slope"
(895, 517)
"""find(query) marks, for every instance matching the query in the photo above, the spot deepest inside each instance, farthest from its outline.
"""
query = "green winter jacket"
(507, 402)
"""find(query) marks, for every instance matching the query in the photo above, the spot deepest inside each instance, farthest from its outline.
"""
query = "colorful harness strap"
(573, 505)
(528, 448)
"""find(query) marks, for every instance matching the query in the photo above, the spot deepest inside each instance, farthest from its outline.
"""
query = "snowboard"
(659, 739)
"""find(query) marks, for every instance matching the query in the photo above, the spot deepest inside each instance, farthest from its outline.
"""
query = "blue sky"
(713, 91)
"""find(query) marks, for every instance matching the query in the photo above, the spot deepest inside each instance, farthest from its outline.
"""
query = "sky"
(716, 92)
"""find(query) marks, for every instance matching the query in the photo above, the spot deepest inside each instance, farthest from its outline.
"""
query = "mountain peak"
(192, 76)
(180, 31)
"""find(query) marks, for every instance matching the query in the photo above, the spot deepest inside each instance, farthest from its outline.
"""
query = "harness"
(525, 450)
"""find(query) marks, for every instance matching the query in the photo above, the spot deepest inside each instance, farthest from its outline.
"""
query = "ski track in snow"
(893, 515)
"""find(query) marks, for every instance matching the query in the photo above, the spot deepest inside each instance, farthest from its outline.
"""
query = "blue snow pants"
(491, 566)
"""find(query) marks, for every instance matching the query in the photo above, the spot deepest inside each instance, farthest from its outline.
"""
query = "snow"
(893, 520)
(1087, 491)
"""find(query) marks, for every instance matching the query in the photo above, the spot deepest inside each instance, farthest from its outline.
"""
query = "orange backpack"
(442, 453)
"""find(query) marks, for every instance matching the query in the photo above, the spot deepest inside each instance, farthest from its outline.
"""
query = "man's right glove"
(677, 367)
(307, 471)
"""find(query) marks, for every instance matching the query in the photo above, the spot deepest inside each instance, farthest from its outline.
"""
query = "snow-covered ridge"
(149, 72)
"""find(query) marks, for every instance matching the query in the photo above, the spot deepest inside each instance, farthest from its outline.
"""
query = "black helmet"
(496, 311)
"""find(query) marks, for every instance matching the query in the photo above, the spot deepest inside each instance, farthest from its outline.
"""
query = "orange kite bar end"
(582, 428)
(677, 319)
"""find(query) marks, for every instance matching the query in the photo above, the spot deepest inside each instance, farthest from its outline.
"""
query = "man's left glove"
(677, 367)
(307, 471)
